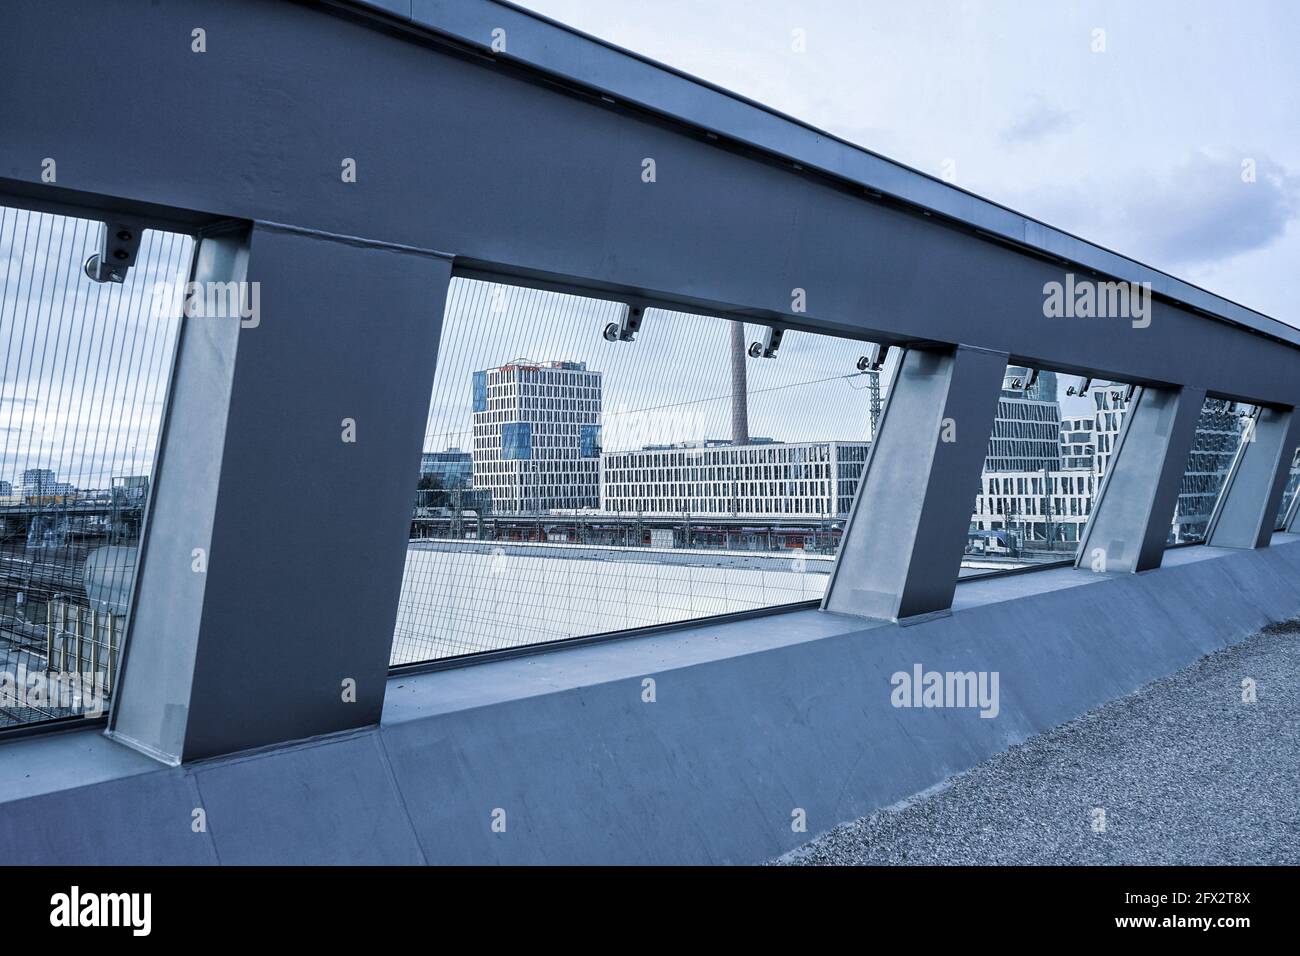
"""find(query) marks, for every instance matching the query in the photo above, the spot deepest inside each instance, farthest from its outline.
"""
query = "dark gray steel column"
(1135, 505)
(1246, 511)
(275, 547)
(905, 537)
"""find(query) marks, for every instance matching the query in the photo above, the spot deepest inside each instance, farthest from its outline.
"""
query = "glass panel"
(1051, 444)
(1218, 436)
(573, 485)
(83, 379)
(1293, 482)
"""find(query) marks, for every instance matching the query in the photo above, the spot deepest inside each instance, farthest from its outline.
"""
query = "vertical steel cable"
(82, 385)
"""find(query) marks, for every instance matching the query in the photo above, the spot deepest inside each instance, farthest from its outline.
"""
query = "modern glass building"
(537, 435)
(452, 468)
(1026, 433)
(1053, 504)
(1218, 435)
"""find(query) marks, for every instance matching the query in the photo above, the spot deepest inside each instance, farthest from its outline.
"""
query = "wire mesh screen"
(82, 385)
(1219, 433)
(1289, 490)
(572, 485)
(1051, 445)
(1053, 442)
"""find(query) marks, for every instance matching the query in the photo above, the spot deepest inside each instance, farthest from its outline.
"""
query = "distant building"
(452, 468)
(1026, 433)
(131, 487)
(1078, 444)
(1110, 403)
(813, 479)
(1218, 435)
(1043, 390)
(1052, 503)
(1046, 387)
(6, 489)
(1037, 505)
(39, 483)
(1292, 484)
(536, 444)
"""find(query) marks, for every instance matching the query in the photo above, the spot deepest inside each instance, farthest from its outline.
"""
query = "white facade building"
(1053, 504)
(39, 482)
(815, 479)
(536, 440)
(1078, 443)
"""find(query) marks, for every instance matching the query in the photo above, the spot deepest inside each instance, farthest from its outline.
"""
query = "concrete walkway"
(1184, 770)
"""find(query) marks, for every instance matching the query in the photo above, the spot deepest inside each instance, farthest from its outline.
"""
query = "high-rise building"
(1052, 503)
(1078, 444)
(1218, 435)
(1026, 433)
(1109, 402)
(536, 443)
(1288, 493)
(1043, 389)
(1046, 387)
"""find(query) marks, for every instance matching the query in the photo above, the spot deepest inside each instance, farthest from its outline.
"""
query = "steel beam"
(1129, 525)
(575, 58)
(552, 188)
(1246, 512)
(903, 543)
(268, 588)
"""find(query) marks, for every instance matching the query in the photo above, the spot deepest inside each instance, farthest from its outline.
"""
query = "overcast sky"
(1138, 148)
(83, 365)
(673, 384)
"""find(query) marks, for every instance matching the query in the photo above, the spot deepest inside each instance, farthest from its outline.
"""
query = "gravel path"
(1186, 773)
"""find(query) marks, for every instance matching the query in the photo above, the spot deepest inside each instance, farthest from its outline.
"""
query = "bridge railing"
(86, 369)
(343, 253)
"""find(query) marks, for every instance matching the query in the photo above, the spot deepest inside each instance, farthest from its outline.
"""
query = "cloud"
(1207, 210)
(1200, 212)
(1038, 122)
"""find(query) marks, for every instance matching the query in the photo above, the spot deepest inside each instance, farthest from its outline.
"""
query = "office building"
(815, 479)
(1026, 430)
(1051, 503)
(1218, 435)
(536, 438)
(39, 482)
(452, 468)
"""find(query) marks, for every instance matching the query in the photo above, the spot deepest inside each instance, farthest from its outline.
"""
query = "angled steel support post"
(1129, 525)
(1246, 512)
(905, 537)
(267, 592)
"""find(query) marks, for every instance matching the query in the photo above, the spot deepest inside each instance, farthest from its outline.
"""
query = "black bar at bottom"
(973, 906)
